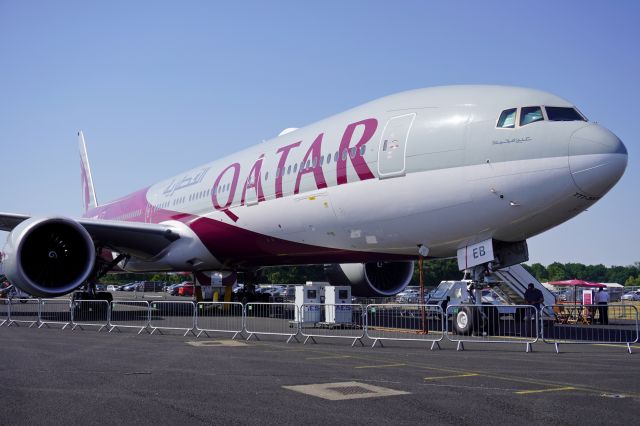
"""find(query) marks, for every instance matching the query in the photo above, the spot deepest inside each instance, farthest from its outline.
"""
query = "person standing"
(533, 296)
(602, 300)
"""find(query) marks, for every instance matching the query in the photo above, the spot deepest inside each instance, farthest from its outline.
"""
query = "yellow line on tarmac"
(381, 366)
(527, 392)
(619, 345)
(452, 377)
(329, 357)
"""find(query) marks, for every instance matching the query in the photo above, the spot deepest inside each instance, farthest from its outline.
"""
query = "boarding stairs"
(510, 283)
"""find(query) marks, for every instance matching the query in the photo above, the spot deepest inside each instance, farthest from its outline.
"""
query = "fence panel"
(90, 313)
(172, 315)
(220, 317)
(342, 321)
(24, 311)
(509, 324)
(55, 312)
(5, 311)
(405, 322)
(613, 324)
(125, 314)
(271, 319)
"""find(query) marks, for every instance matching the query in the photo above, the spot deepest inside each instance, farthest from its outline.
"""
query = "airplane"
(470, 171)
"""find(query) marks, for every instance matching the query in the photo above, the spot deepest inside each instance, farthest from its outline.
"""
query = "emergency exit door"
(393, 146)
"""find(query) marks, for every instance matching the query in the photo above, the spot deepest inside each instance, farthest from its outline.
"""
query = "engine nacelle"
(374, 279)
(48, 257)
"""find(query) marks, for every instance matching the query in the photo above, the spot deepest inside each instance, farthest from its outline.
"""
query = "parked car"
(112, 287)
(131, 287)
(174, 290)
(287, 294)
(408, 296)
(185, 289)
(151, 286)
(633, 295)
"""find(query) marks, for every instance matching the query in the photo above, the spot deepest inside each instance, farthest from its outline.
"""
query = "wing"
(142, 240)
(8, 221)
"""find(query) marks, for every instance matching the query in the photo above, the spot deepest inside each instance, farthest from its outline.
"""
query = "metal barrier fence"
(54, 312)
(125, 314)
(338, 321)
(423, 323)
(90, 313)
(5, 311)
(220, 317)
(270, 319)
(509, 324)
(613, 324)
(172, 315)
(24, 311)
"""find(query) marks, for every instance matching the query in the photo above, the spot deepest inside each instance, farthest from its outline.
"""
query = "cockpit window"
(507, 119)
(530, 114)
(563, 114)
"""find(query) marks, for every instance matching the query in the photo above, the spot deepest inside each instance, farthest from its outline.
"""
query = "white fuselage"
(428, 167)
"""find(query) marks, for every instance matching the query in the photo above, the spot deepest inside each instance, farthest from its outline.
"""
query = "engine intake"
(48, 257)
(374, 279)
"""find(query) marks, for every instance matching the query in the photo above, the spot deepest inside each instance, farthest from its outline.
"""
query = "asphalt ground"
(51, 376)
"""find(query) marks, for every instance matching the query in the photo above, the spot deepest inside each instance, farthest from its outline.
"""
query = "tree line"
(435, 270)
(447, 269)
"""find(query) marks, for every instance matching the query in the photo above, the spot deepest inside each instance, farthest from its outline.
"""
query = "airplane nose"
(597, 159)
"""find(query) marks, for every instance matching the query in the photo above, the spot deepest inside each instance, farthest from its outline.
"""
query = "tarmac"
(51, 376)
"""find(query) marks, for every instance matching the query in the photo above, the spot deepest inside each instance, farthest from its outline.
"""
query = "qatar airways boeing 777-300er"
(466, 171)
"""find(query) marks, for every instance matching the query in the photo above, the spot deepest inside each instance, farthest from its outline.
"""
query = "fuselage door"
(393, 146)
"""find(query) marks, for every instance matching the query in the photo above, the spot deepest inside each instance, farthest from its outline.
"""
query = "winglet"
(88, 192)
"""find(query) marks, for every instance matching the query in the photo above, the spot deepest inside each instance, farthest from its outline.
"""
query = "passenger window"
(353, 152)
(530, 115)
(328, 158)
(362, 150)
(344, 155)
(295, 168)
(335, 157)
(289, 169)
(507, 119)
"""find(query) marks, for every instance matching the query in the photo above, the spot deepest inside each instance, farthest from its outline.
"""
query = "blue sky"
(162, 86)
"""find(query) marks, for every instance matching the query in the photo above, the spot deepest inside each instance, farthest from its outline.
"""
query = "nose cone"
(597, 159)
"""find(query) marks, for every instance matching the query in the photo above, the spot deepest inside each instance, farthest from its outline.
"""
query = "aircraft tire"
(464, 322)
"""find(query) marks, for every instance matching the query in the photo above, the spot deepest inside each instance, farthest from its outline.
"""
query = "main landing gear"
(100, 270)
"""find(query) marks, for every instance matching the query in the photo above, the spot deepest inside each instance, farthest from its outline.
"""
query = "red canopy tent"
(575, 284)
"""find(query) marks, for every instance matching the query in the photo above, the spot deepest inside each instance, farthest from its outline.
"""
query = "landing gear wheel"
(90, 306)
(464, 322)
(104, 295)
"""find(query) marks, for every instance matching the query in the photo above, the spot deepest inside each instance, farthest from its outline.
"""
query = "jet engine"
(48, 257)
(374, 279)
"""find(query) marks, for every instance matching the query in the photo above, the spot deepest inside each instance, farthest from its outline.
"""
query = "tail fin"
(88, 192)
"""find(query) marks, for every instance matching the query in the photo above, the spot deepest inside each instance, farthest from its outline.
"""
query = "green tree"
(632, 281)
(576, 271)
(539, 271)
(557, 272)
